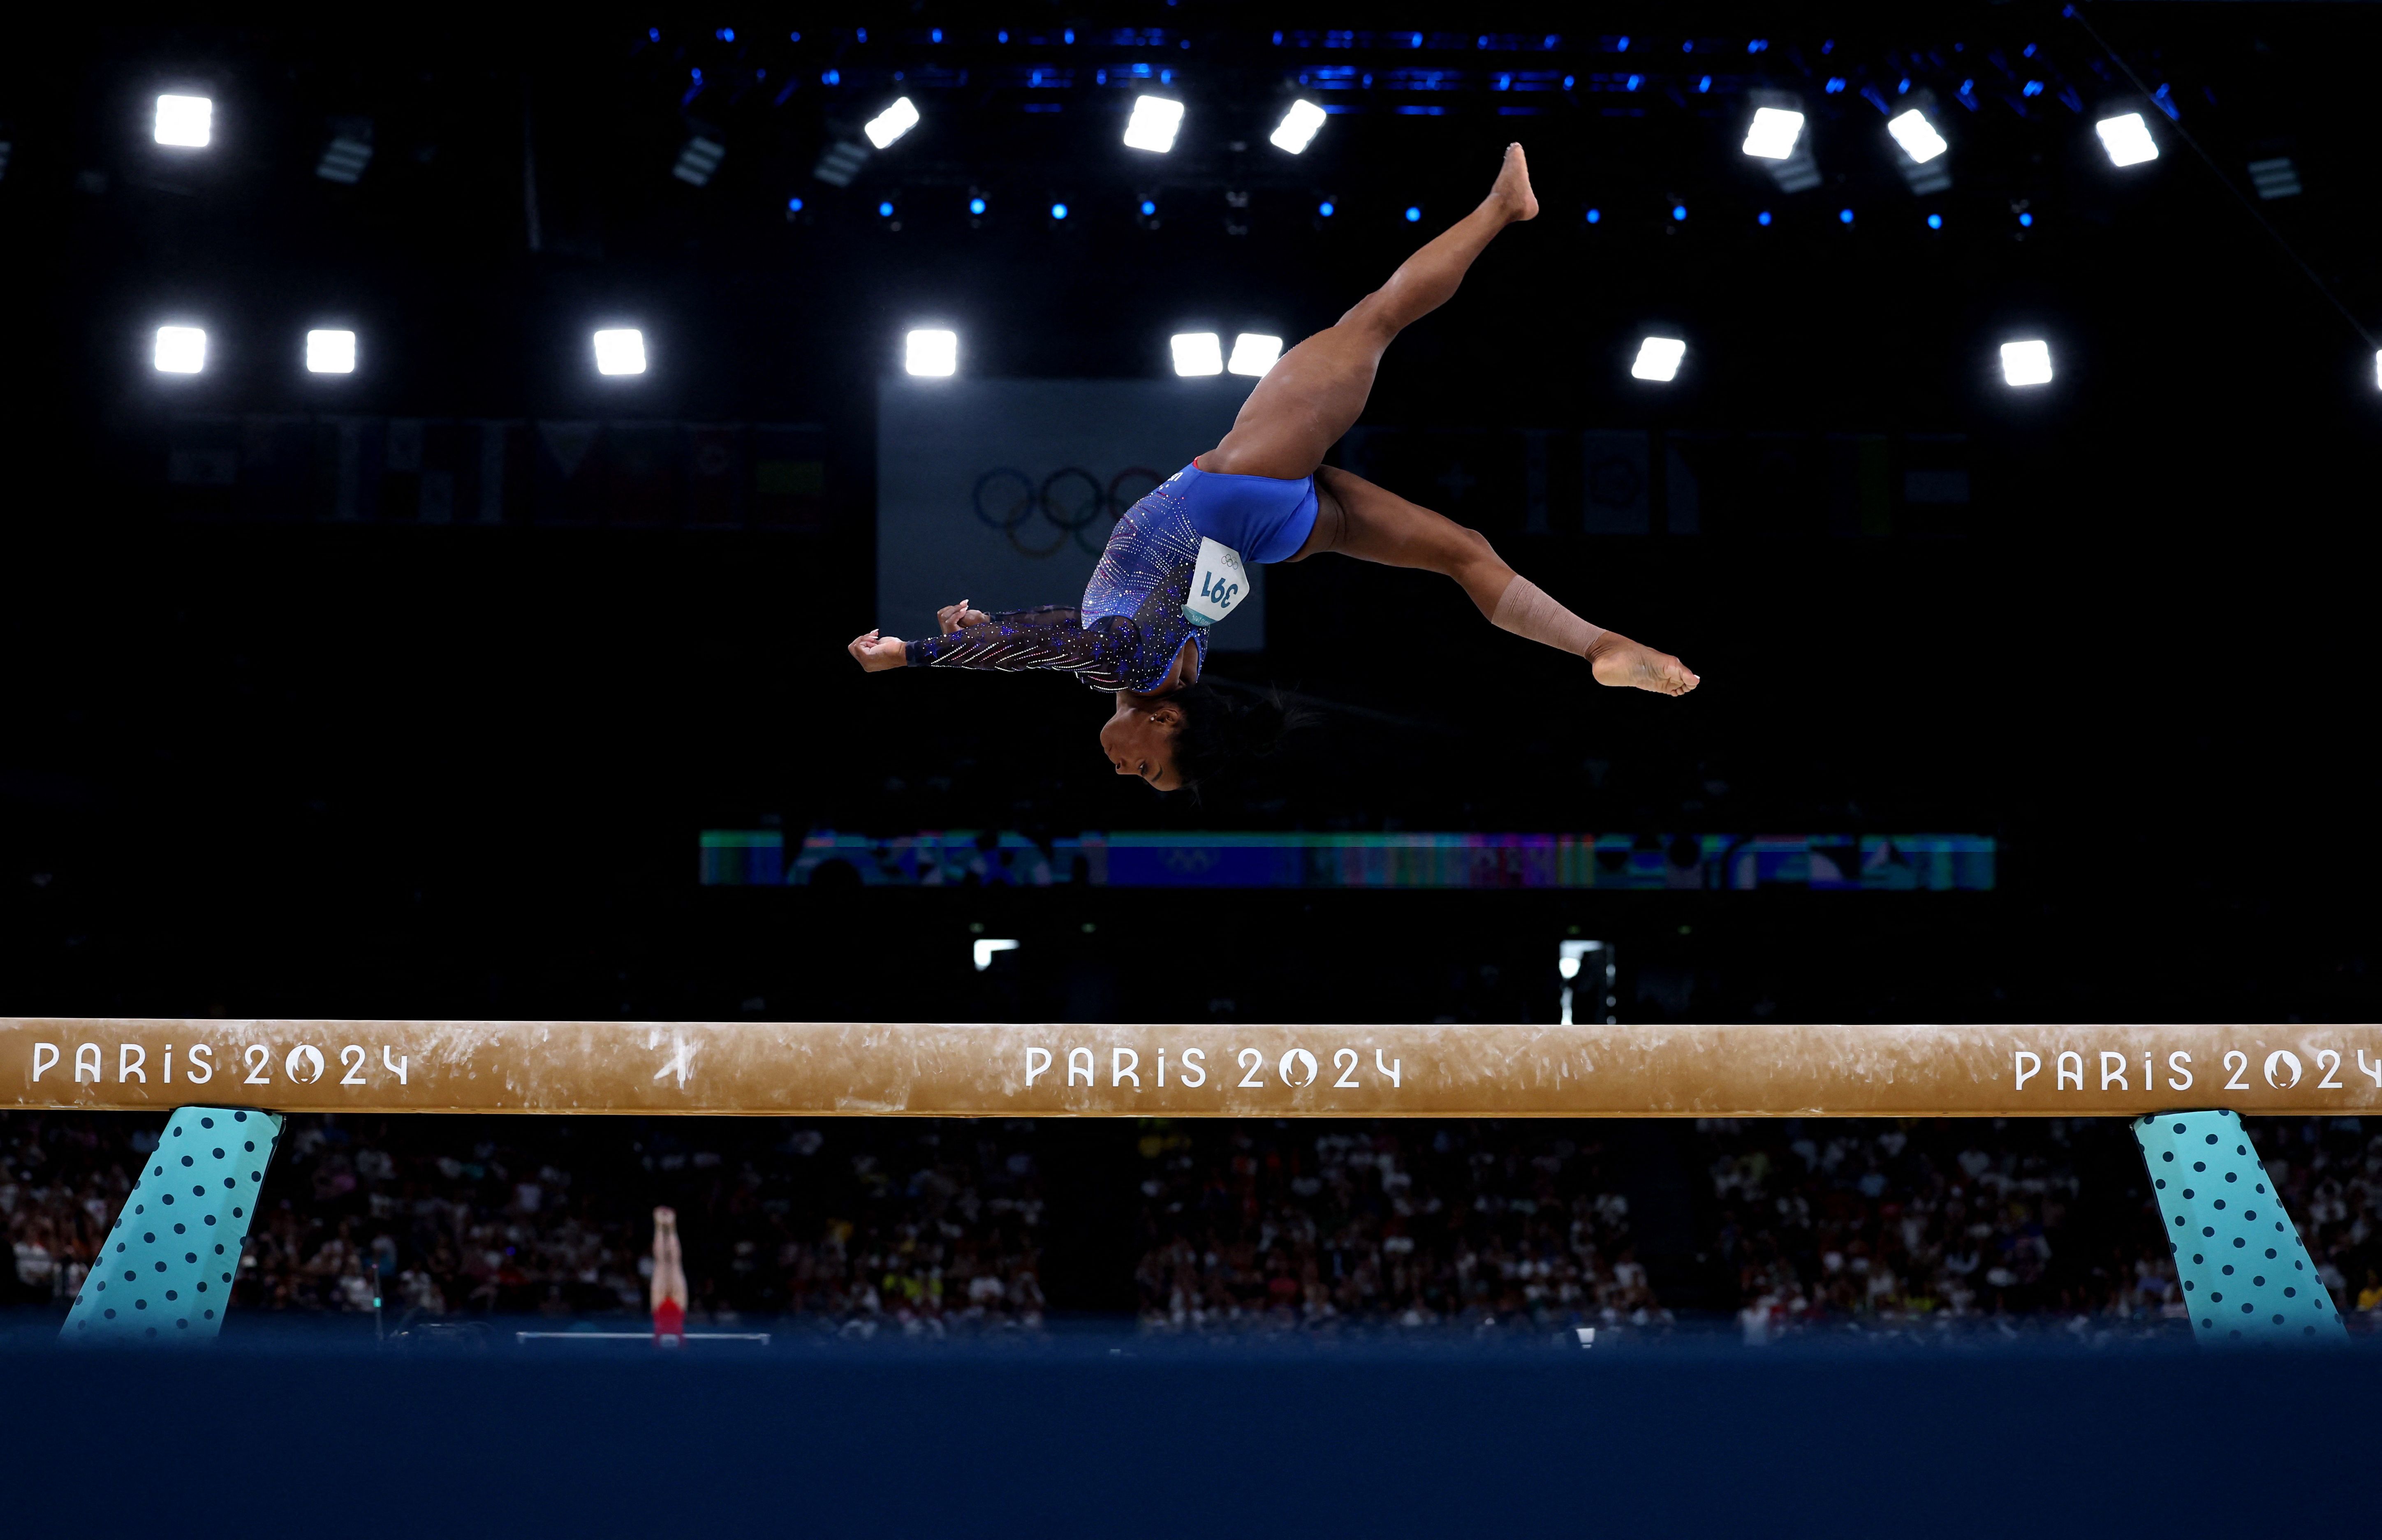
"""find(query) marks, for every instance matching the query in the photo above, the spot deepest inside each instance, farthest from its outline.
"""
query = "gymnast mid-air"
(1264, 496)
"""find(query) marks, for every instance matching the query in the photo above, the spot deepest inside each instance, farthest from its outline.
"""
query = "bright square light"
(1198, 353)
(330, 352)
(891, 124)
(1917, 136)
(621, 352)
(1658, 358)
(180, 350)
(1298, 125)
(1772, 134)
(931, 352)
(2026, 364)
(2377, 371)
(185, 121)
(1253, 354)
(2127, 139)
(1153, 124)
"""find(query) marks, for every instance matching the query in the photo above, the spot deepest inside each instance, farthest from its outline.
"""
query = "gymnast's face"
(1139, 740)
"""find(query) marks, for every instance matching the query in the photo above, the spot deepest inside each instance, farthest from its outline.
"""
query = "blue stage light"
(1058, 211)
(1761, 218)
(885, 211)
(1844, 216)
(1324, 208)
(793, 205)
(831, 78)
(1634, 82)
(976, 205)
(1623, 46)
(1704, 84)
(1148, 208)
(1935, 221)
(1678, 211)
(2026, 219)
(1595, 215)
(1414, 214)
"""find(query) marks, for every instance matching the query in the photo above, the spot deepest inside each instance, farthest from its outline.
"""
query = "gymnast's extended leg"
(1315, 392)
(1357, 518)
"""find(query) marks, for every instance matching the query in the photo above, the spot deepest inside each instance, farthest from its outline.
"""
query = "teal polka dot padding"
(2245, 1274)
(164, 1272)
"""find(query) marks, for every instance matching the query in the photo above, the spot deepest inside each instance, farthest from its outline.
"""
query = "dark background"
(295, 768)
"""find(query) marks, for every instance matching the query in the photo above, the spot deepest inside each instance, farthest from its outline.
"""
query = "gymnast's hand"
(874, 653)
(952, 617)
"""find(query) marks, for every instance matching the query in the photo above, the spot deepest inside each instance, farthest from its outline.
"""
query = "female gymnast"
(669, 1282)
(1265, 494)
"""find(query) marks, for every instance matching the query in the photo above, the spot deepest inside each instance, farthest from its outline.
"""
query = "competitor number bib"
(1217, 583)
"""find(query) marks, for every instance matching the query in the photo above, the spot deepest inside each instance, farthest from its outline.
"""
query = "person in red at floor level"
(669, 1282)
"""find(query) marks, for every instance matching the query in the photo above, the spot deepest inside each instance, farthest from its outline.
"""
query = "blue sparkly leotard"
(1130, 626)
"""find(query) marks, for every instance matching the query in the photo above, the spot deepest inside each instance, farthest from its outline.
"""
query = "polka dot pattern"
(155, 1275)
(2251, 1302)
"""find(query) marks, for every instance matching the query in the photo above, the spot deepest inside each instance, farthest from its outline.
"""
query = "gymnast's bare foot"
(1616, 660)
(1513, 188)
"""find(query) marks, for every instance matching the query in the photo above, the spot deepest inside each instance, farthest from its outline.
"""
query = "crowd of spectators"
(908, 1227)
(937, 1226)
(1482, 1225)
(1913, 1223)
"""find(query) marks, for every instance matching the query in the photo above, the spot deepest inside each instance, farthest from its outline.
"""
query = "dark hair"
(1221, 731)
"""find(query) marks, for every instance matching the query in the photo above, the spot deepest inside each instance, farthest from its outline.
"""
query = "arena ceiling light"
(1919, 146)
(985, 948)
(1153, 124)
(1778, 137)
(2026, 364)
(330, 352)
(931, 352)
(841, 162)
(1774, 133)
(1659, 358)
(1198, 353)
(1297, 127)
(1253, 354)
(349, 152)
(2276, 178)
(697, 159)
(891, 124)
(1916, 135)
(185, 122)
(620, 350)
(2127, 139)
(180, 351)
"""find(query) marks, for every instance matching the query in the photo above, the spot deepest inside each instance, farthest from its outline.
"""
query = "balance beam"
(851, 1068)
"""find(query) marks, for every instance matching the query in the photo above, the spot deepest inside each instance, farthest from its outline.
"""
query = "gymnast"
(668, 1290)
(1265, 495)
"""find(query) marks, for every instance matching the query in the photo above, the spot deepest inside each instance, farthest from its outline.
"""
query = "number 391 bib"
(1218, 583)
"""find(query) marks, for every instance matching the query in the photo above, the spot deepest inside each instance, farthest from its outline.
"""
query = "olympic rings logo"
(1071, 502)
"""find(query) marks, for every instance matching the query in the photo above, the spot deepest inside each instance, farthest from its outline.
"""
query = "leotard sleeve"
(1053, 637)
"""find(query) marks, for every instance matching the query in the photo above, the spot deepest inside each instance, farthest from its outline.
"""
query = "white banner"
(1003, 492)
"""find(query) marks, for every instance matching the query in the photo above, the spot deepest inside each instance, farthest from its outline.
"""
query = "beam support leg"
(2246, 1275)
(164, 1272)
